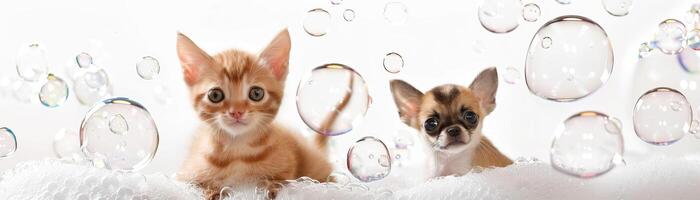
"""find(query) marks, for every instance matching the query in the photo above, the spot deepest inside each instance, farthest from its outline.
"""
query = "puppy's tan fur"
(456, 154)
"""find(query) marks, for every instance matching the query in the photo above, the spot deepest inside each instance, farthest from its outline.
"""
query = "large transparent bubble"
(32, 63)
(662, 116)
(8, 142)
(119, 134)
(54, 92)
(587, 144)
(369, 159)
(500, 16)
(332, 99)
(569, 58)
(91, 85)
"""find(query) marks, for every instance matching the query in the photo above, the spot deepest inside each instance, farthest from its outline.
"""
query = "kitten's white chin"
(233, 129)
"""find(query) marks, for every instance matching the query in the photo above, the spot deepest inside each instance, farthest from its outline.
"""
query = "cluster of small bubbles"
(8, 142)
(395, 12)
(84, 60)
(569, 58)
(393, 62)
(91, 84)
(317, 22)
(148, 67)
(349, 15)
(66, 145)
(564, 2)
(500, 16)
(670, 37)
(531, 12)
(587, 144)
(117, 132)
(662, 116)
(369, 159)
(645, 50)
(345, 99)
(512, 75)
(617, 8)
(54, 92)
(32, 63)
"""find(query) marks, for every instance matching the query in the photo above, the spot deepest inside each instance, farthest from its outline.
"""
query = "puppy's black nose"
(453, 131)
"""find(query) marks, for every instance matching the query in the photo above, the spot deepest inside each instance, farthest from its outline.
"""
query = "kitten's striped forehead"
(236, 64)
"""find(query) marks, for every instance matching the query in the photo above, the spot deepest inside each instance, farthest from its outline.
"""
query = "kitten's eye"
(256, 93)
(215, 95)
(431, 124)
(470, 117)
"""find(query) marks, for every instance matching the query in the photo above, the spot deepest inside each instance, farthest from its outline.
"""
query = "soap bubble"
(662, 116)
(369, 159)
(569, 58)
(349, 15)
(111, 143)
(500, 16)
(693, 40)
(670, 37)
(695, 128)
(564, 2)
(8, 142)
(587, 144)
(393, 62)
(54, 92)
(332, 93)
(689, 61)
(644, 50)
(317, 22)
(512, 75)
(395, 13)
(83, 60)
(91, 84)
(531, 12)
(617, 7)
(148, 67)
(66, 144)
(32, 63)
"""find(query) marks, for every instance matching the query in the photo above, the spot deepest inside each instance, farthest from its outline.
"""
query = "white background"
(441, 42)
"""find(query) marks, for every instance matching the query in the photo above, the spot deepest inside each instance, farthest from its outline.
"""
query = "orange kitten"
(237, 96)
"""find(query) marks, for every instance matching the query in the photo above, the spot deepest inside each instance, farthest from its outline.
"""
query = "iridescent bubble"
(349, 15)
(395, 13)
(83, 60)
(670, 37)
(564, 2)
(54, 92)
(662, 116)
(693, 39)
(512, 75)
(8, 142)
(317, 22)
(644, 50)
(569, 58)
(369, 160)
(500, 16)
(32, 63)
(617, 8)
(123, 151)
(66, 145)
(587, 144)
(393, 62)
(148, 67)
(531, 12)
(344, 103)
(91, 84)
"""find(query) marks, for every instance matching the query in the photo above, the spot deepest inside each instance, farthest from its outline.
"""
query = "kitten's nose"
(453, 131)
(236, 114)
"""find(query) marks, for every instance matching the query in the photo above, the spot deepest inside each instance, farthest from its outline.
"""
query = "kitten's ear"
(192, 58)
(407, 99)
(276, 55)
(484, 86)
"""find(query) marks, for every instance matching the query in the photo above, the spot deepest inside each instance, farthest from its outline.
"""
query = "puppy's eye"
(470, 117)
(256, 93)
(215, 95)
(431, 124)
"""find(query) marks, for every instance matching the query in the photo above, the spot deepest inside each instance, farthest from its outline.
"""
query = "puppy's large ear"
(484, 87)
(407, 99)
(193, 59)
(276, 55)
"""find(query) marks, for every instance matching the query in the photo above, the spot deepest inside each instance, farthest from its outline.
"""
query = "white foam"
(657, 179)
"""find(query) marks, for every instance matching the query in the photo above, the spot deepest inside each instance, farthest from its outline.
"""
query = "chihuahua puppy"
(450, 118)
